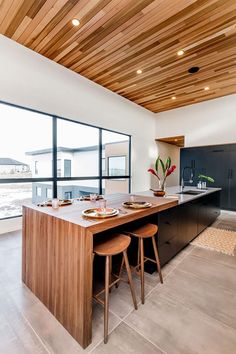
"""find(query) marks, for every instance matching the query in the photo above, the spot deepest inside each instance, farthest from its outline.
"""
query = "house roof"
(7, 161)
(63, 149)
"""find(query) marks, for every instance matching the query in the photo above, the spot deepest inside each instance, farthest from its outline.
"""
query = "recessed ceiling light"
(180, 52)
(176, 139)
(173, 98)
(139, 71)
(193, 69)
(75, 22)
(206, 88)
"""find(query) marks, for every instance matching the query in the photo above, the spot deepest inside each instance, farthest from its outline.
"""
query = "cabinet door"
(187, 222)
(218, 167)
(232, 181)
(167, 225)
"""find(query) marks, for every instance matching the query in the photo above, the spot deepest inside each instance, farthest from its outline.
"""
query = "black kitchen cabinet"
(181, 224)
(218, 162)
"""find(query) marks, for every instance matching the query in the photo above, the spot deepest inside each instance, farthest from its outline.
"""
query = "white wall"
(28, 79)
(173, 151)
(206, 123)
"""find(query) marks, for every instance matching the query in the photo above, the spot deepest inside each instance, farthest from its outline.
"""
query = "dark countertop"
(173, 192)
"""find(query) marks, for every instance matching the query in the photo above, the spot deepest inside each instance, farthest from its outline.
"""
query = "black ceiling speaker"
(193, 69)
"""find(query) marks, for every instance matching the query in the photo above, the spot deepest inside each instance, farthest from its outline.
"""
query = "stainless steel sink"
(191, 192)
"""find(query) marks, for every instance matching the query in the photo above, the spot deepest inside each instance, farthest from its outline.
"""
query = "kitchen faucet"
(182, 177)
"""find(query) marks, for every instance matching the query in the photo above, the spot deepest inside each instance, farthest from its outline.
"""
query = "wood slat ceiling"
(115, 38)
(173, 140)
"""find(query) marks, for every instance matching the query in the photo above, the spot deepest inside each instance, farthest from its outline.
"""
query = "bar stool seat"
(117, 243)
(144, 232)
(112, 246)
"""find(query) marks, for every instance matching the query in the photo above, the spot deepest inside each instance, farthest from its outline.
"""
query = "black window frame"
(55, 179)
(36, 167)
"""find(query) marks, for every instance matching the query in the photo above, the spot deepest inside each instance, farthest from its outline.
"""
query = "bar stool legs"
(144, 232)
(142, 269)
(106, 304)
(115, 245)
(130, 279)
(157, 258)
(108, 287)
(143, 259)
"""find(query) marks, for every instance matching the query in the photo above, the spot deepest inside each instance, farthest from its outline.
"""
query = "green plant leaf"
(162, 166)
(168, 162)
(157, 163)
(207, 178)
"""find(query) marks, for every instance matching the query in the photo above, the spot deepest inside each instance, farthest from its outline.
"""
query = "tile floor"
(194, 311)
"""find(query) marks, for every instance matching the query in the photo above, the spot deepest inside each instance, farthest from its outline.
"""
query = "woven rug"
(219, 240)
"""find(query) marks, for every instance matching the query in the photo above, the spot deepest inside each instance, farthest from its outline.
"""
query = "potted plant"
(203, 180)
(166, 170)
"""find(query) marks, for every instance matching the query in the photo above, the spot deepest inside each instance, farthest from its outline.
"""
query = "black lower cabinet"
(181, 224)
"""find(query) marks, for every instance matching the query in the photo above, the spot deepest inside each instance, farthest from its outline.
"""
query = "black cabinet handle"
(167, 223)
(168, 242)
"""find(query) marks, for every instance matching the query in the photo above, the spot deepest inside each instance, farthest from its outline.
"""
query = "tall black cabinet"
(217, 161)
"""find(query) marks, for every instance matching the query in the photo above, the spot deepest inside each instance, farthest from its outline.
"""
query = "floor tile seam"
(143, 336)
(215, 262)
(207, 260)
(35, 332)
(197, 311)
(168, 274)
(109, 333)
(206, 281)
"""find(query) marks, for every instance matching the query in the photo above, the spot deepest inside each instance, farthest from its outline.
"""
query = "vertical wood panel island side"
(57, 257)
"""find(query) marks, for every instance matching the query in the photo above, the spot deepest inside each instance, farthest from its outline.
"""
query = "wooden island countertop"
(58, 252)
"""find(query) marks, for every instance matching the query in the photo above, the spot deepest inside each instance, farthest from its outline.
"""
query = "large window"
(78, 148)
(117, 165)
(43, 156)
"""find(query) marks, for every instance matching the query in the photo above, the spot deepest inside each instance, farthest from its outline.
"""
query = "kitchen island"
(58, 247)
(57, 256)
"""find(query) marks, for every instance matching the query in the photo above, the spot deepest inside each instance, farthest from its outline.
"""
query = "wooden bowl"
(159, 193)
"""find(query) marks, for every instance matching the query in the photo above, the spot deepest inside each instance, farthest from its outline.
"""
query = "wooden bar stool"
(118, 243)
(143, 232)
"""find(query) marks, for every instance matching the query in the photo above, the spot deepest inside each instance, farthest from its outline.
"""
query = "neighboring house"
(10, 166)
(80, 162)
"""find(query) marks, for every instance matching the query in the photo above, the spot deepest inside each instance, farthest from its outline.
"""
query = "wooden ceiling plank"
(59, 42)
(21, 28)
(5, 6)
(60, 13)
(14, 8)
(92, 22)
(59, 34)
(27, 34)
(30, 39)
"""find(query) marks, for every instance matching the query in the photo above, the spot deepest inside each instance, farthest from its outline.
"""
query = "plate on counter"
(137, 205)
(62, 202)
(87, 198)
(100, 213)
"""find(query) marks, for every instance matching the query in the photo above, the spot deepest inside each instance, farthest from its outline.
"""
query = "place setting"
(55, 203)
(101, 211)
(136, 204)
